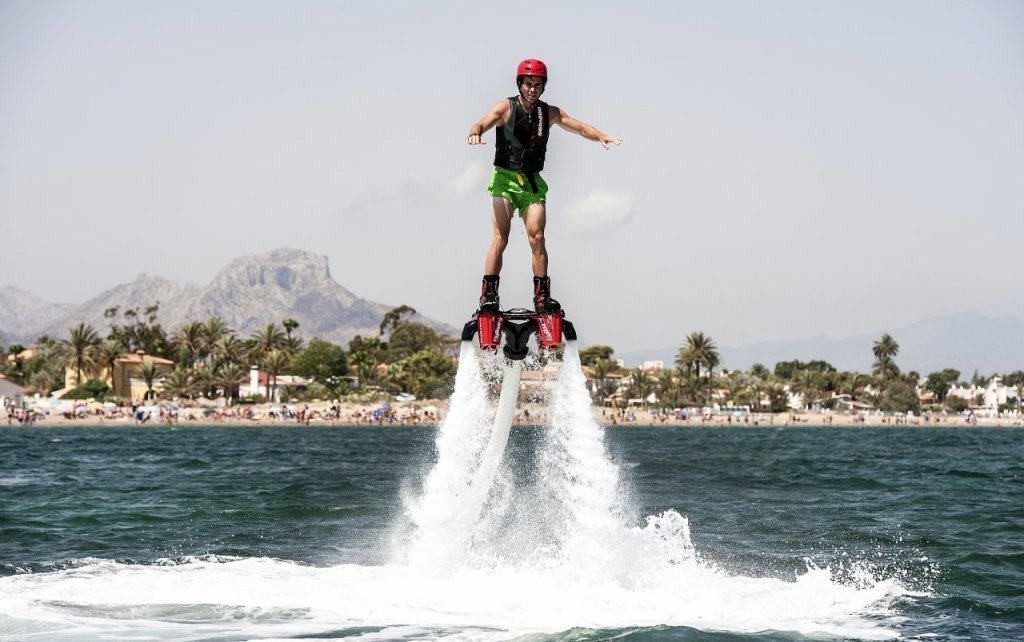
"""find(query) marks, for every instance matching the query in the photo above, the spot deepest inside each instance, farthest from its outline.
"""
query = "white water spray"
(485, 559)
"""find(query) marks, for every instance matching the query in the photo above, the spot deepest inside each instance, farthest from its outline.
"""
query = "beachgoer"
(521, 143)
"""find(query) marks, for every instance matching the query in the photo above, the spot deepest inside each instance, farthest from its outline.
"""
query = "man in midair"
(523, 124)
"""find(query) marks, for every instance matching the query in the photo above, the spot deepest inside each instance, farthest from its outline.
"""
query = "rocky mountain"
(20, 309)
(247, 294)
(965, 341)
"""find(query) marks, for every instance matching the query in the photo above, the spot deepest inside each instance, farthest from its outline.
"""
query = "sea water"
(474, 531)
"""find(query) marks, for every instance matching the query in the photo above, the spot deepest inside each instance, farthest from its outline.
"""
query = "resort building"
(990, 397)
(127, 382)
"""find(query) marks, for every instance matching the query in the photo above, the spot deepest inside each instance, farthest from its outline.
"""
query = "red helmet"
(532, 67)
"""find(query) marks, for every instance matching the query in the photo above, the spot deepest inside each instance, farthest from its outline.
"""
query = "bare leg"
(536, 218)
(501, 221)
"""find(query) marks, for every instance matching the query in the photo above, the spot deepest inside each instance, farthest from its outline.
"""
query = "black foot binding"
(489, 294)
(542, 301)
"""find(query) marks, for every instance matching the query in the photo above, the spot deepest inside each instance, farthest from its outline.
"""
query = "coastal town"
(204, 374)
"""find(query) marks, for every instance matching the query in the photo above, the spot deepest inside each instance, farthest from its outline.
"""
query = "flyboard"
(510, 330)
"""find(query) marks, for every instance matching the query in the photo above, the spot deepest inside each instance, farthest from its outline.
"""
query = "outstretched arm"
(498, 114)
(568, 123)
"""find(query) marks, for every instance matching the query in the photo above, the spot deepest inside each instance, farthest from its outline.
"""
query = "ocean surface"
(208, 533)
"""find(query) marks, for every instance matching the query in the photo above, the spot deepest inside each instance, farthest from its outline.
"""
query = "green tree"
(853, 383)
(699, 351)
(590, 354)
(642, 384)
(898, 396)
(107, 354)
(808, 384)
(149, 373)
(15, 363)
(760, 371)
(228, 350)
(1016, 380)
(265, 340)
(190, 344)
(81, 350)
(426, 374)
(178, 383)
(408, 338)
(290, 325)
(885, 350)
(274, 363)
(392, 318)
(940, 382)
(215, 331)
(778, 398)
(323, 361)
(229, 376)
(364, 356)
(786, 370)
(140, 330)
(91, 389)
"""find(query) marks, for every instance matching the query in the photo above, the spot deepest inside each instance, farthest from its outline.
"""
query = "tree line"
(211, 359)
(694, 382)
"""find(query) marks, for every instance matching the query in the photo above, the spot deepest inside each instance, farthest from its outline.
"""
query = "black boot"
(489, 294)
(542, 301)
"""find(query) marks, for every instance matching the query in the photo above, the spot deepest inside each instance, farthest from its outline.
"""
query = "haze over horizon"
(787, 171)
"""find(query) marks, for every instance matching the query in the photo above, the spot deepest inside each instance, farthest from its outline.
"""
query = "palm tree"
(274, 362)
(190, 341)
(292, 345)
(266, 339)
(178, 383)
(699, 350)
(148, 373)
(214, 331)
(289, 326)
(885, 369)
(885, 349)
(853, 383)
(107, 354)
(642, 385)
(693, 389)
(228, 377)
(17, 370)
(807, 384)
(711, 360)
(601, 368)
(81, 345)
(365, 366)
(228, 350)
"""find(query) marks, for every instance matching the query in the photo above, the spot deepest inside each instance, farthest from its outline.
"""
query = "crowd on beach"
(172, 414)
(426, 413)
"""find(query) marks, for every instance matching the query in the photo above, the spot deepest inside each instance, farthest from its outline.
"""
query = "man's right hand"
(475, 139)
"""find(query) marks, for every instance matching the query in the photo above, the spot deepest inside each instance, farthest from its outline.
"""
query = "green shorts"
(516, 188)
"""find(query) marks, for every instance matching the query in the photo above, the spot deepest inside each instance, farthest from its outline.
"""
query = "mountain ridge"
(249, 292)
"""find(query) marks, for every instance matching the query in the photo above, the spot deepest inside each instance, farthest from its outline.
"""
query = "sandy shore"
(429, 413)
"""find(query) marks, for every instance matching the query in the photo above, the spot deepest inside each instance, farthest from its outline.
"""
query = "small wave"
(250, 597)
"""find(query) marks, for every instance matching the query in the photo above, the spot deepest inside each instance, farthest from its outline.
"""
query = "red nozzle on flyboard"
(516, 326)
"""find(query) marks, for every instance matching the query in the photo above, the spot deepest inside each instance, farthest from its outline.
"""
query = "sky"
(789, 169)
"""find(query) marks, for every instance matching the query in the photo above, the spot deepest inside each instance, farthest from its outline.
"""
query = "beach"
(428, 413)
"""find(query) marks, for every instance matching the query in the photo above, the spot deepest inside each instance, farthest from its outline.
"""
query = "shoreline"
(430, 414)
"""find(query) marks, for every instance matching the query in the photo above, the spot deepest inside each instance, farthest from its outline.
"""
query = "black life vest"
(522, 141)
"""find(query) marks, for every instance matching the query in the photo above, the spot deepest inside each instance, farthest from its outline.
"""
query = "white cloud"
(416, 192)
(472, 179)
(600, 210)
